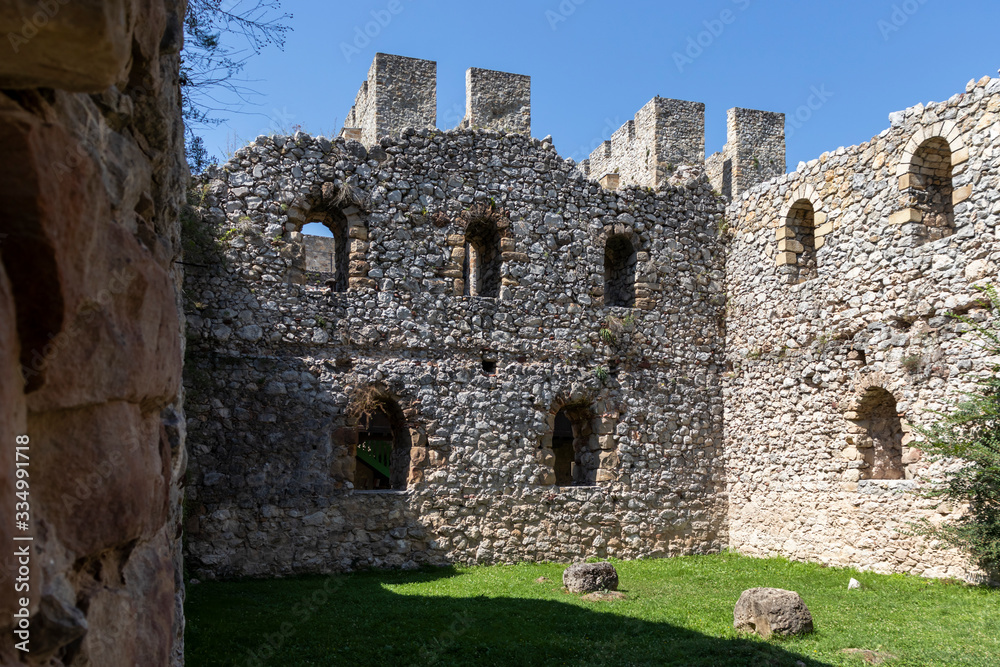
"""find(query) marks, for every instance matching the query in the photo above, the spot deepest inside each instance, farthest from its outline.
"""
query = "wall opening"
(801, 225)
(574, 447)
(481, 268)
(327, 255)
(881, 442)
(383, 450)
(930, 189)
(619, 272)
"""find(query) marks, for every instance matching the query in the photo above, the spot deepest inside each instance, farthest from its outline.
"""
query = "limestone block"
(961, 194)
(784, 232)
(790, 245)
(905, 216)
(786, 259)
(610, 181)
(589, 577)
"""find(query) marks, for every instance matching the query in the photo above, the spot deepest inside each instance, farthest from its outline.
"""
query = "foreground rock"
(768, 611)
(589, 577)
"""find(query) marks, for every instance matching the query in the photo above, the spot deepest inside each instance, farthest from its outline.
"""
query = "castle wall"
(646, 151)
(803, 351)
(92, 178)
(754, 151)
(273, 365)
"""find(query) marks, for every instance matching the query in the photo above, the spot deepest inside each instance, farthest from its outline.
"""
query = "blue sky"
(837, 69)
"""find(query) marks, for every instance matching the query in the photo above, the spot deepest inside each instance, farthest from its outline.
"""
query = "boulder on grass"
(768, 611)
(589, 577)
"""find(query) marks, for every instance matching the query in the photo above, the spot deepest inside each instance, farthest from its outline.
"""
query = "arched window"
(619, 272)
(383, 450)
(881, 445)
(327, 248)
(930, 189)
(575, 447)
(799, 243)
(481, 268)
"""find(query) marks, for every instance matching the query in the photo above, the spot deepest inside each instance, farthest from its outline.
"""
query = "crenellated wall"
(276, 359)
(838, 296)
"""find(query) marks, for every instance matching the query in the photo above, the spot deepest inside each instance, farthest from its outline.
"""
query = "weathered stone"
(588, 577)
(768, 611)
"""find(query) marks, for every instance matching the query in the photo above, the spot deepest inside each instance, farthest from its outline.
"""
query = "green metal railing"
(377, 454)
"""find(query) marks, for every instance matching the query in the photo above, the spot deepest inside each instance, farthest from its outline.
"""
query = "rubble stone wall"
(92, 174)
(808, 355)
(277, 364)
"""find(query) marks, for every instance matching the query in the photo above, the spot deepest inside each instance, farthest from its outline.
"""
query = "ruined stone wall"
(92, 175)
(808, 355)
(274, 365)
(664, 135)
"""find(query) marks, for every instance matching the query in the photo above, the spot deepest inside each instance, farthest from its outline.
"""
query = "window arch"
(797, 243)
(382, 455)
(619, 271)
(481, 267)
(328, 256)
(880, 441)
(930, 189)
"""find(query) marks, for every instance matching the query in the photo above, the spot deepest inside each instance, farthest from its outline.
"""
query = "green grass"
(678, 611)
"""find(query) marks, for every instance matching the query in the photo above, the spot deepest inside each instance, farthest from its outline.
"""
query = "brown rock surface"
(768, 611)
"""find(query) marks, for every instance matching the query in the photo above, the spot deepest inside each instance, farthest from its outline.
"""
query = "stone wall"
(815, 337)
(646, 151)
(497, 101)
(279, 370)
(93, 174)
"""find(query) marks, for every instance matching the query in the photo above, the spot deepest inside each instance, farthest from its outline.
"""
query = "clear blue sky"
(594, 63)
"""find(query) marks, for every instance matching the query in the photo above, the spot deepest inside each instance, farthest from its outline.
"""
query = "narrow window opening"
(481, 269)
(575, 447)
(327, 249)
(931, 190)
(619, 272)
(383, 452)
(489, 367)
(801, 240)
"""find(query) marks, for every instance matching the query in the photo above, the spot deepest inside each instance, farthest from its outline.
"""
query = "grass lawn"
(678, 611)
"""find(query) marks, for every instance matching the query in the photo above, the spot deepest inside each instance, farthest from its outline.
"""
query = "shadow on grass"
(356, 620)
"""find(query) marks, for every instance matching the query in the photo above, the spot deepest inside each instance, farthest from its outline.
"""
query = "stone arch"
(930, 161)
(619, 271)
(627, 258)
(577, 447)
(380, 441)
(878, 436)
(801, 233)
(346, 255)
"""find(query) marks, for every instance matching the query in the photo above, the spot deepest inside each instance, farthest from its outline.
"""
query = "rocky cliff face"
(92, 177)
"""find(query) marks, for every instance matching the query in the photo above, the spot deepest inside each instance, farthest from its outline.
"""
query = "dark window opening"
(575, 447)
(489, 367)
(931, 190)
(619, 272)
(481, 269)
(383, 451)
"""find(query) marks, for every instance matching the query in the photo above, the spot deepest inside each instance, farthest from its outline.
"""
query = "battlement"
(401, 92)
(754, 151)
(644, 152)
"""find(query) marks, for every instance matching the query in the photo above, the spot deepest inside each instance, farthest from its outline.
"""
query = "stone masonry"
(92, 175)
(511, 361)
